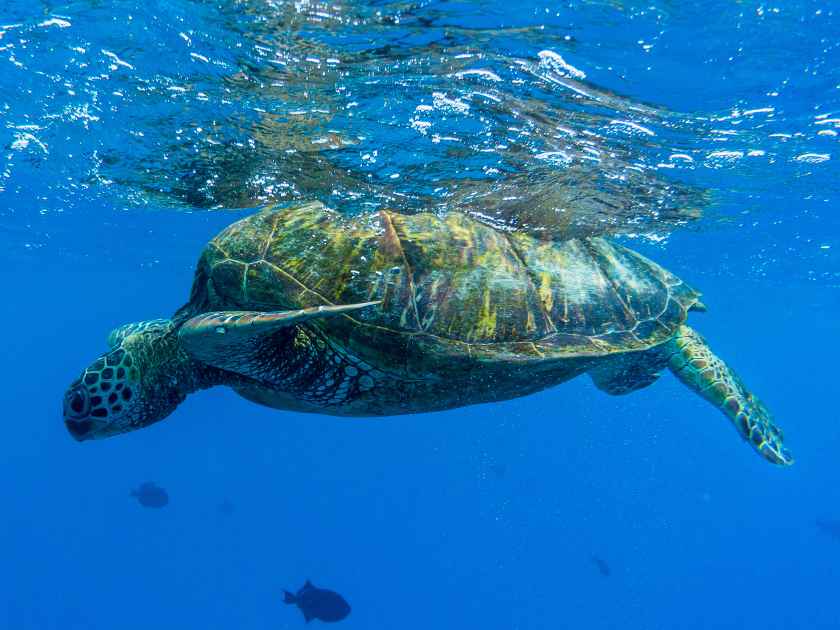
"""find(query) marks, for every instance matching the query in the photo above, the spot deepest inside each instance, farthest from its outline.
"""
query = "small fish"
(151, 495)
(603, 567)
(318, 603)
(829, 527)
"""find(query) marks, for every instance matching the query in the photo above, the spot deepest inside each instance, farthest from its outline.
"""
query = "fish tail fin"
(289, 598)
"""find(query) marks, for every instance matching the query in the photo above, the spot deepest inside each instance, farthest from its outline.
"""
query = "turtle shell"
(450, 286)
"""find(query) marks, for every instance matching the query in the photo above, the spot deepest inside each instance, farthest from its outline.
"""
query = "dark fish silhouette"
(318, 603)
(151, 495)
(829, 527)
(603, 567)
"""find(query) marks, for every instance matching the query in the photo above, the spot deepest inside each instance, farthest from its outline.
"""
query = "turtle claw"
(770, 447)
(765, 436)
(781, 456)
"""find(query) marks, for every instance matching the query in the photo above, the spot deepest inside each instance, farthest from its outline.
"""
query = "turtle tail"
(694, 363)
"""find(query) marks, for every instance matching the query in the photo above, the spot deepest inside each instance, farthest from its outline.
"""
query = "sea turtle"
(302, 308)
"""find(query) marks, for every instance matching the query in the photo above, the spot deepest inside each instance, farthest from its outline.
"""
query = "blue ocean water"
(132, 132)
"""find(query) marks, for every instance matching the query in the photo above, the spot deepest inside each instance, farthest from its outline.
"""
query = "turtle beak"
(78, 428)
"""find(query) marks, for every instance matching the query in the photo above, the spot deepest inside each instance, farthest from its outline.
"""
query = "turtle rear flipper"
(240, 341)
(630, 372)
(694, 363)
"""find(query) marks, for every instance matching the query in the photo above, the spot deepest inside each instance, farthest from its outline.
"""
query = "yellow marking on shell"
(392, 240)
(270, 238)
(545, 291)
(359, 249)
(432, 306)
(244, 287)
(530, 324)
(460, 231)
(486, 324)
(537, 282)
(627, 279)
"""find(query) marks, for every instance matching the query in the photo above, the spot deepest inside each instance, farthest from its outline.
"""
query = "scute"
(595, 289)
(469, 282)
(445, 282)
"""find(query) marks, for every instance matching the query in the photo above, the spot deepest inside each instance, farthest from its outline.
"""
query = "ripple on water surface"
(551, 120)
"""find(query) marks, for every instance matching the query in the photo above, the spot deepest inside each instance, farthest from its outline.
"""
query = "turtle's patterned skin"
(382, 314)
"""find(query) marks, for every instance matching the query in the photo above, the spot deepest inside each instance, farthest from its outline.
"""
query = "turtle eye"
(76, 402)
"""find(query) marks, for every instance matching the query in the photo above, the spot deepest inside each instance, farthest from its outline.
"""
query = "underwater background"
(704, 135)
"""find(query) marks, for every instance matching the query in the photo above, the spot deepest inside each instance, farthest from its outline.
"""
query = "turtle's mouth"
(79, 429)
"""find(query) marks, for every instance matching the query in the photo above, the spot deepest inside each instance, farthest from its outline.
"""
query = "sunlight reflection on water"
(417, 106)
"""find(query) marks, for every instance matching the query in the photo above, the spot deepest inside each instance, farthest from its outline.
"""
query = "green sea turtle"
(304, 309)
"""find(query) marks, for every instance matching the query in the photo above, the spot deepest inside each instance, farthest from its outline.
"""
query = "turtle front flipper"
(116, 337)
(694, 363)
(248, 342)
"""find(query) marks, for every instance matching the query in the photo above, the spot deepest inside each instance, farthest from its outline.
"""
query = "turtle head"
(133, 385)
